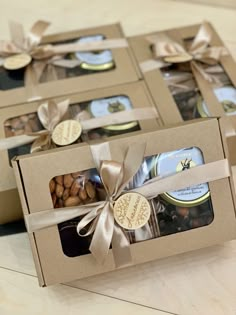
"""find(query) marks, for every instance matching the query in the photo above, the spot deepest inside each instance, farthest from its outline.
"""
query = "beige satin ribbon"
(98, 218)
(52, 113)
(199, 52)
(45, 57)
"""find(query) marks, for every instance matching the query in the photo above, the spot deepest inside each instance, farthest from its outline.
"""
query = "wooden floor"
(198, 283)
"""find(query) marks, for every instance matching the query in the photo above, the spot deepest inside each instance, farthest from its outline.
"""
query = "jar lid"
(167, 164)
(97, 61)
(107, 106)
(226, 96)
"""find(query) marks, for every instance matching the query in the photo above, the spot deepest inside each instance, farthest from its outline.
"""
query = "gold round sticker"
(184, 57)
(66, 132)
(132, 211)
(17, 61)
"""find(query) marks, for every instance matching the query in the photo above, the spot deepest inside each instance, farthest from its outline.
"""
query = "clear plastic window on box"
(185, 91)
(26, 124)
(172, 212)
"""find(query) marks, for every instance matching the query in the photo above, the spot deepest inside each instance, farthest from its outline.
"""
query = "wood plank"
(221, 3)
(20, 294)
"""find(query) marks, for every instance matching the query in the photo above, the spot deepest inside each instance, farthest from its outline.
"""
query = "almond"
(24, 118)
(68, 180)
(83, 194)
(72, 201)
(90, 190)
(59, 179)
(59, 190)
(52, 186)
(60, 203)
(75, 188)
(66, 194)
(54, 199)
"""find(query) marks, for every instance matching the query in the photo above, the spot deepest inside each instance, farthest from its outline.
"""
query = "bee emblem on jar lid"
(226, 96)
(166, 164)
(107, 106)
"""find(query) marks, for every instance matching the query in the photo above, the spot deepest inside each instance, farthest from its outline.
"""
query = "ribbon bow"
(49, 114)
(29, 44)
(199, 54)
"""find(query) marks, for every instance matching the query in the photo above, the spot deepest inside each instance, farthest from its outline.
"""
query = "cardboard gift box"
(190, 75)
(18, 120)
(77, 71)
(183, 200)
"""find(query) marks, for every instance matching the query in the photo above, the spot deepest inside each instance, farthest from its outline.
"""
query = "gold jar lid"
(226, 96)
(167, 164)
(107, 106)
(94, 60)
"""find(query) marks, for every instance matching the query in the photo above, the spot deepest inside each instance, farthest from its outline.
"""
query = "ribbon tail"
(121, 248)
(37, 30)
(17, 34)
(102, 237)
(41, 220)
(31, 82)
(196, 67)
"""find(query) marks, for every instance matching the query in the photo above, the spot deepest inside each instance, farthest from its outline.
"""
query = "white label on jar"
(107, 106)
(98, 58)
(227, 97)
(179, 161)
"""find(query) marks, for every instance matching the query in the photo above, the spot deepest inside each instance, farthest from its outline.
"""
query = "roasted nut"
(72, 201)
(59, 190)
(24, 118)
(66, 194)
(68, 180)
(60, 203)
(27, 128)
(8, 132)
(83, 194)
(90, 190)
(52, 186)
(16, 123)
(54, 199)
(59, 179)
(75, 188)
(182, 211)
(34, 124)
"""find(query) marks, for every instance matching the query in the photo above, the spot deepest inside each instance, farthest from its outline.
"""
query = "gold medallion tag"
(66, 132)
(17, 61)
(184, 57)
(132, 211)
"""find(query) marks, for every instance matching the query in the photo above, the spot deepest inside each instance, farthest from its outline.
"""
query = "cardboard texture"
(33, 173)
(125, 70)
(139, 97)
(166, 105)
